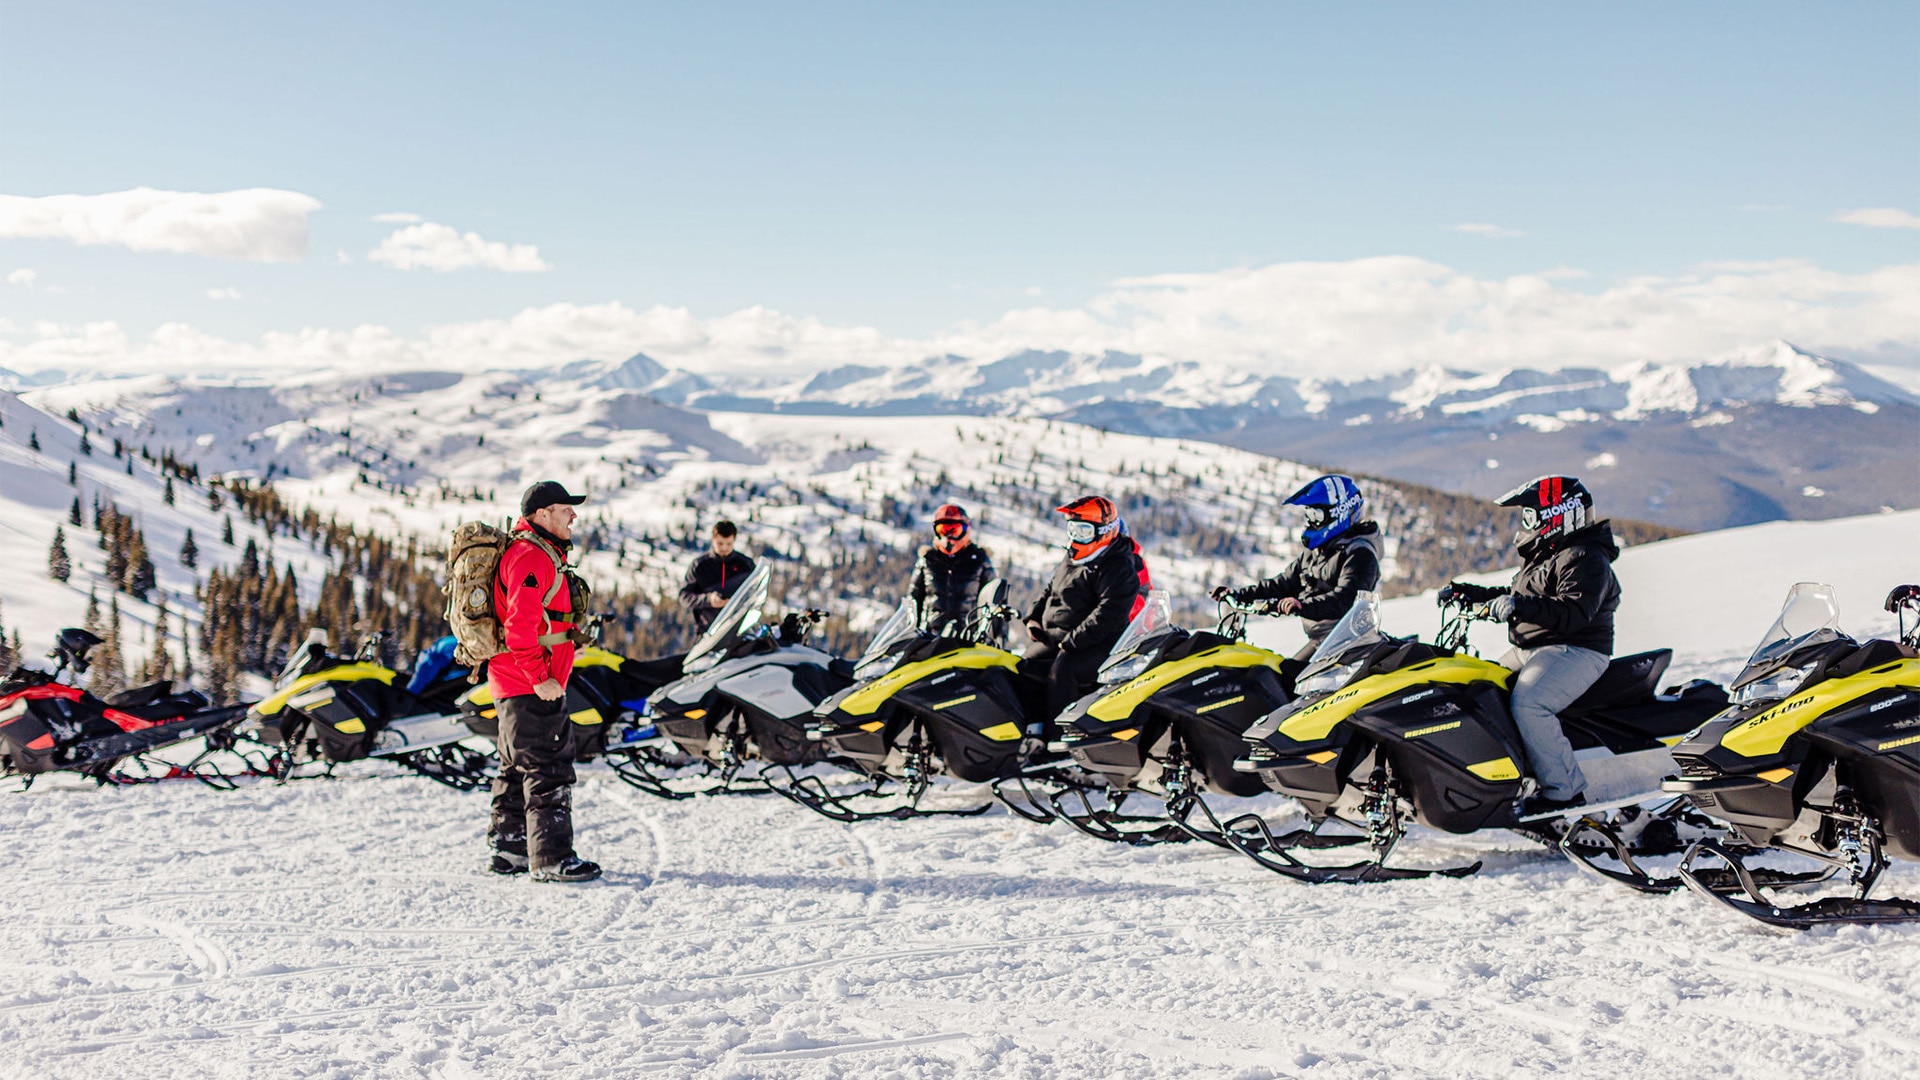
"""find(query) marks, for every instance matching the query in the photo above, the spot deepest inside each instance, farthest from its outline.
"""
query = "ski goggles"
(1318, 517)
(1083, 532)
(1529, 517)
(951, 530)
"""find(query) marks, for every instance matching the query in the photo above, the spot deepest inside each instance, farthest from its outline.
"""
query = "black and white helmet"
(1551, 508)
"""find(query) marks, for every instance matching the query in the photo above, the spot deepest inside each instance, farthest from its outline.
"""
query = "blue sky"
(912, 169)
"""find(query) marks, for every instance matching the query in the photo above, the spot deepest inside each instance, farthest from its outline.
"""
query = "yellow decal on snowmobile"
(1888, 745)
(1766, 733)
(1127, 734)
(1497, 769)
(586, 717)
(1314, 722)
(1774, 776)
(1006, 732)
(695, 714)
(873, 725)
(344, 673)
(1323, 756)
(1205, 709)
(351, 726)
(955, 701)
(594, 656)
(1434, 730)
(1119, 703)
(868, 699)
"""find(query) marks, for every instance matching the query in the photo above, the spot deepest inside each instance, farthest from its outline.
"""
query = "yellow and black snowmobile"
(604, 693)
(923, 706)
(1167, 720)
(1819, 756)
(743, 705)
(1384, 731)
(327, 708)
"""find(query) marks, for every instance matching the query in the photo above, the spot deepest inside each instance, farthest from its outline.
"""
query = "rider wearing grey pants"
(1547, 680)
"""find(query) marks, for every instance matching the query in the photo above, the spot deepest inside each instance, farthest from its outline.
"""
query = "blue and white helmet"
(1333, 503)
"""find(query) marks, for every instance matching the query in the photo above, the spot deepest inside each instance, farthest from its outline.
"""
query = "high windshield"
(1810, 615)
(740, 616)
(1360, 626)
(899, 626)
(1155, 616)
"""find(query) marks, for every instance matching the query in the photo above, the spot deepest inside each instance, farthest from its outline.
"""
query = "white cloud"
(398, 217)
(1482, 228)
(430, 246)
(23, 276)
(1880, 217)
(228, 293)
(1337, 319)
(260, 224)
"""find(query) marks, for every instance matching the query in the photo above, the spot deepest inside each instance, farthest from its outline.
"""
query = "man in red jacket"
(533, 596)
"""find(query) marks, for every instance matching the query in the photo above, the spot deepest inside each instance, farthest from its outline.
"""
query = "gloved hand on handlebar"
(1499, 609)
(1218, 593)
(1903, 595)
(1466, 593)
(1288, 606)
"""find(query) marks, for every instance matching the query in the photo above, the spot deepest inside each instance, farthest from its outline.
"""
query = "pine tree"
(226, 531)
(86, 444)
(129, 464)
(189, 552)
(33, 440)
(73, 514)
(139, 580)
(159, 663)
(91, 624)
(59, 566)
(109, 664)
(167, 496)
(73, 473)
(8, 658)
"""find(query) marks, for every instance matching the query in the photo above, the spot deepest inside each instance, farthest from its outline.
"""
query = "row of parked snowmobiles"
(1812, 752)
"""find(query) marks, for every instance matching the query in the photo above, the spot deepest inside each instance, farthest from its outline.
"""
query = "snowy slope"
(345, 928)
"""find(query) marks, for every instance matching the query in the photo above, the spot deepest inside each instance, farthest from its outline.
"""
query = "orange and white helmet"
(1093, 523)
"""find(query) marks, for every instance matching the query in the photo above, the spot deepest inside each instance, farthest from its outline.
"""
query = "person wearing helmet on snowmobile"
(532, 797)
(949, 573)
(1559, 616)
(1087, 605)
(1341, 560)
(714, 577)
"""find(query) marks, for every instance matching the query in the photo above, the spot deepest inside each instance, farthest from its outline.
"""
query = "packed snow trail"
(345, 928)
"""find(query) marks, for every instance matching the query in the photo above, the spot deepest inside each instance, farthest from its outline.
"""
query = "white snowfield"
(345, 928)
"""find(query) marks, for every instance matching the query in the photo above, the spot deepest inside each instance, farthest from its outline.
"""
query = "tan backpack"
(473, 567)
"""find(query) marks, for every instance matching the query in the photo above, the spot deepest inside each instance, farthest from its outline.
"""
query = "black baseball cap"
(547, 493)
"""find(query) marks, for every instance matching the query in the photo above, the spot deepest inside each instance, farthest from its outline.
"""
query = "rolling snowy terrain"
(345, 927)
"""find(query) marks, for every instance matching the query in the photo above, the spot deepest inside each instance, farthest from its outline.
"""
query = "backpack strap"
(560, 571)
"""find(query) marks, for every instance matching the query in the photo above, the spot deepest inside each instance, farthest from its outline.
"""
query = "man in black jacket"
(948, 576)
(1342, 560)
(1086, 607)
(1559, 616)
(714, 577)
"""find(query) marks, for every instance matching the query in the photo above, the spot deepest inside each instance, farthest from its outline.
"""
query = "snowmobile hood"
(1121, 702)
(866, 700)
(354, 672)
(1764, 734)
(690, 690)
(1314, 721)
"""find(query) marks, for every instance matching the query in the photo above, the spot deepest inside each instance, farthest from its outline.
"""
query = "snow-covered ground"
(345, 928)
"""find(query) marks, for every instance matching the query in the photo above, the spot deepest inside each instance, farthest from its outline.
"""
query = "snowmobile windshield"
(1360, 626)
(1155, 619)
(1811, 616)
(738, 619)
(900, 626)
(307, 657)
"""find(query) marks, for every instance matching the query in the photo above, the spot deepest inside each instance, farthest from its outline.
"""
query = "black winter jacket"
(1325, 579)
(946, 587)
(1086, 608)
(1565, 593)
(711, 574)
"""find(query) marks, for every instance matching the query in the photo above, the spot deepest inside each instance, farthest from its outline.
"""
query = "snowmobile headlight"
(1125, 670)
(1775, 686)
(1327, 680)
(877, 667)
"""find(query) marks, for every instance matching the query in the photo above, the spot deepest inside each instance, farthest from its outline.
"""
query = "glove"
(1465, 593)
(1901, 596)
(1218, 593)
(1499, 609)
(1288, 606)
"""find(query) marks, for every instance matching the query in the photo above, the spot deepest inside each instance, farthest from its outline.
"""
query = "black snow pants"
(533, 795)
(1067, 675)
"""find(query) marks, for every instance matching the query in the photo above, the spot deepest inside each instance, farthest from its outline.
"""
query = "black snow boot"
(570, 869)
(507, 863)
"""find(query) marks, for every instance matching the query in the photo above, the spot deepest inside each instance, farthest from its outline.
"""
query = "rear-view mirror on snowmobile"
(1902, 600)
(70, 650)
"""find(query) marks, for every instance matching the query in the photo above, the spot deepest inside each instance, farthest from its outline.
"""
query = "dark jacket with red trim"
(1086, 608)
(527, 575)
(710, 574)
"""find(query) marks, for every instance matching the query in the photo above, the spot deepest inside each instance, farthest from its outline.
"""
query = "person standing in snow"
(949, 574)
(714, 577)
(1342, 560)
(1559, 616)
(536, 596)
(1095, 591)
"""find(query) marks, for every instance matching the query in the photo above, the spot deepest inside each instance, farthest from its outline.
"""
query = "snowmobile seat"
(1627, 679)
(158, 701)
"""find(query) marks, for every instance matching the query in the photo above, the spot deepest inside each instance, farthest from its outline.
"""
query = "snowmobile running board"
(1606, 841)
(1250, 835)
(1745, 897)
(460, 768)
(633, 765)
(1594, 808)
(813, 793)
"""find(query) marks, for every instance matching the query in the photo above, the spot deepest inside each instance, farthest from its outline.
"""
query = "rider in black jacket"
(714, 577)
(949, 574)
(1084, 610)
(1559, 616)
